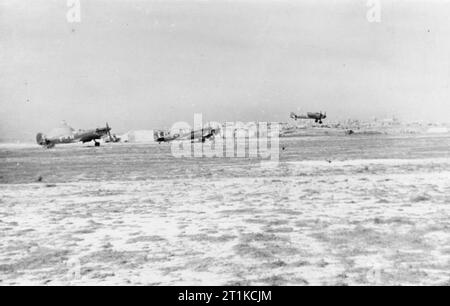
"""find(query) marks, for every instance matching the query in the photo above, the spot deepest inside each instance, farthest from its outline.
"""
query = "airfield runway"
(335, 211)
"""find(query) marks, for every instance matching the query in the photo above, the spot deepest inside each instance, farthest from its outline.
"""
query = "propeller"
(108, 129)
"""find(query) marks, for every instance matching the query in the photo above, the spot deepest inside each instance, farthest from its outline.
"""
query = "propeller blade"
(108, 129)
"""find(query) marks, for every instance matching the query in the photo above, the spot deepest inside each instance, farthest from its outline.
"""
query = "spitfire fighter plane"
(66, 134)
(200, 135)
(313, 116)
(163, 136)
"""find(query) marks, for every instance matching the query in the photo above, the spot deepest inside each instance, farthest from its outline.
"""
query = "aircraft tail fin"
(158, 135)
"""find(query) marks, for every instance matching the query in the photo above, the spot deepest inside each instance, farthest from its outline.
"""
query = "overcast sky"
(147, 64)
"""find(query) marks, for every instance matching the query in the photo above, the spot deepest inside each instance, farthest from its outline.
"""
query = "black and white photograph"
(231, 143)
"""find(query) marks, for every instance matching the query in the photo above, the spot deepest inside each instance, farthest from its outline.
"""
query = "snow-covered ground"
(334, 211)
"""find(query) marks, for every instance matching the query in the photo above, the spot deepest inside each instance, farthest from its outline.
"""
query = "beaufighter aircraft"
(66, 134)
(200, 135)
(314, 116)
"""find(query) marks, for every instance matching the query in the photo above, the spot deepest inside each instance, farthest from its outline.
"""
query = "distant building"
(138, 136)
(438, 130)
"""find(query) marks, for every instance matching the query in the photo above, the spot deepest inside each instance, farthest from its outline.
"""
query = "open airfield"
(336, 210)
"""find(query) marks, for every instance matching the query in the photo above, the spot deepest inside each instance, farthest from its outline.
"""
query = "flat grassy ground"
(334, 211)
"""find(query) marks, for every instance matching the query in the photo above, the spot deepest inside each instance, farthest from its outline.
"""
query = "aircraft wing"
(62, 132)
(199, 134)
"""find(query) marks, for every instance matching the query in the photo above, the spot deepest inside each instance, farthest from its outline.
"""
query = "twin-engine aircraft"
(317, 117)
(66, 134)
(200, 135)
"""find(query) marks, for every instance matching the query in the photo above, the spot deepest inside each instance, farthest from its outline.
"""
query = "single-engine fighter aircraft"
(163, 136)
(314, 116)
(66, 134)
(200, 135)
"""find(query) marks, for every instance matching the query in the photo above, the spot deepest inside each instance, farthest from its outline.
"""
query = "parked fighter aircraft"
(66, 134)
(314, 116)
(200, 135)
(163, 136)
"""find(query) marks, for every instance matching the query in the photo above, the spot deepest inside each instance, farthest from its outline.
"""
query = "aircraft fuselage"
(80, 136)
(318, 117)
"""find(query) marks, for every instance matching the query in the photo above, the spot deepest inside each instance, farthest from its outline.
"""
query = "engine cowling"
(41, 140)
